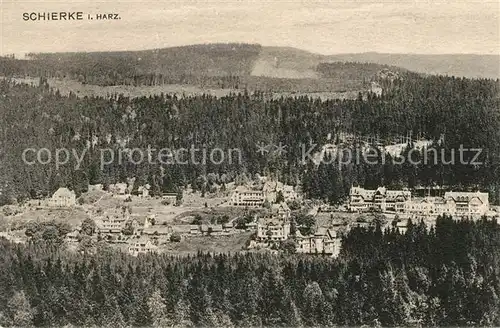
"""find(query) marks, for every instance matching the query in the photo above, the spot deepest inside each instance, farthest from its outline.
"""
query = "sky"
(321, 26)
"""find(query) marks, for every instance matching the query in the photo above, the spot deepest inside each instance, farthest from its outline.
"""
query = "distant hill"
(237, 66)
(195, 60)
(459, 65)
(305, 63)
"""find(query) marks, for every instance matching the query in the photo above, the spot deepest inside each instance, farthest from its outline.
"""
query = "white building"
(281, 211)
(142, 246)
(273, 229)
(272, 188)
(63, 197)
(458, 204)
(243, 196)
(324, 241)
(255, 196)
(118, 188)
(363, 200)
(111, 225)
(169, 197)
(467, 204)
(143, 191)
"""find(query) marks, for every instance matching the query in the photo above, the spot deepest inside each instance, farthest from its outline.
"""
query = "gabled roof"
(214, 227)
(184, 228)
(281, 206)
(269, 186)
(270, 222)
(466, 196)
(161, 229)
(64, 192)
(242, 188)
(143, 242)
(325, 232)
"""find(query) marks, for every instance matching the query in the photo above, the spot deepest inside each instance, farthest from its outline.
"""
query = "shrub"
(175, 237)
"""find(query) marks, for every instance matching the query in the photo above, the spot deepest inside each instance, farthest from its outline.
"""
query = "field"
(65, 86)
(99, 203)
(72, 216)
(215, 244)
(192, 205)
(275, 87)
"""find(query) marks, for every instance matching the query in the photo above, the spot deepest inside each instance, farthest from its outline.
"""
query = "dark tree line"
(447, 276)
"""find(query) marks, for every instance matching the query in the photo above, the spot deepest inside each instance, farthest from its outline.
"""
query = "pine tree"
(20, 311)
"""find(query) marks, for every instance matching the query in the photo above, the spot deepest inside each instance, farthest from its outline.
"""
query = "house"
(458, 204)
(143, 191)
(273, 229)
(381, 199)
(96, 187)
(272, 188)
(281, 211)
(360, 199)
(468, 204)
(360, 223)
(256, 195)
(336, 223)
(158, 232)
(170, 198)
(395, 200)
(118, 188)
(244, 196)
(289, 193)
(324, 241)
(149, 221)
(137, 226)
(142, 246)
(63, 197)
(194, 229)
(211, 230)
(303, 243)
(185, 229)
(110, 225)
(228, 227)
(251, 226)
(402, 226)
(420, 207)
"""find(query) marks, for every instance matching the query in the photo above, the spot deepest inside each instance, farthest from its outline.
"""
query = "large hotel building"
(462, 204)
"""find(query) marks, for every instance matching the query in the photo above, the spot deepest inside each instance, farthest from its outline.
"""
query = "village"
(259, 215)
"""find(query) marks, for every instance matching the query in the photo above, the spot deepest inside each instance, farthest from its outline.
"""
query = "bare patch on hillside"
(268, 68)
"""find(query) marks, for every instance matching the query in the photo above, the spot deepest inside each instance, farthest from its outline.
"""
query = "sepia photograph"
(249, 163)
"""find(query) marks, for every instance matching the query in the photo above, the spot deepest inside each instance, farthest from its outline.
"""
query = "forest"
(464, 111)
(111, 68)
(448, 275)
